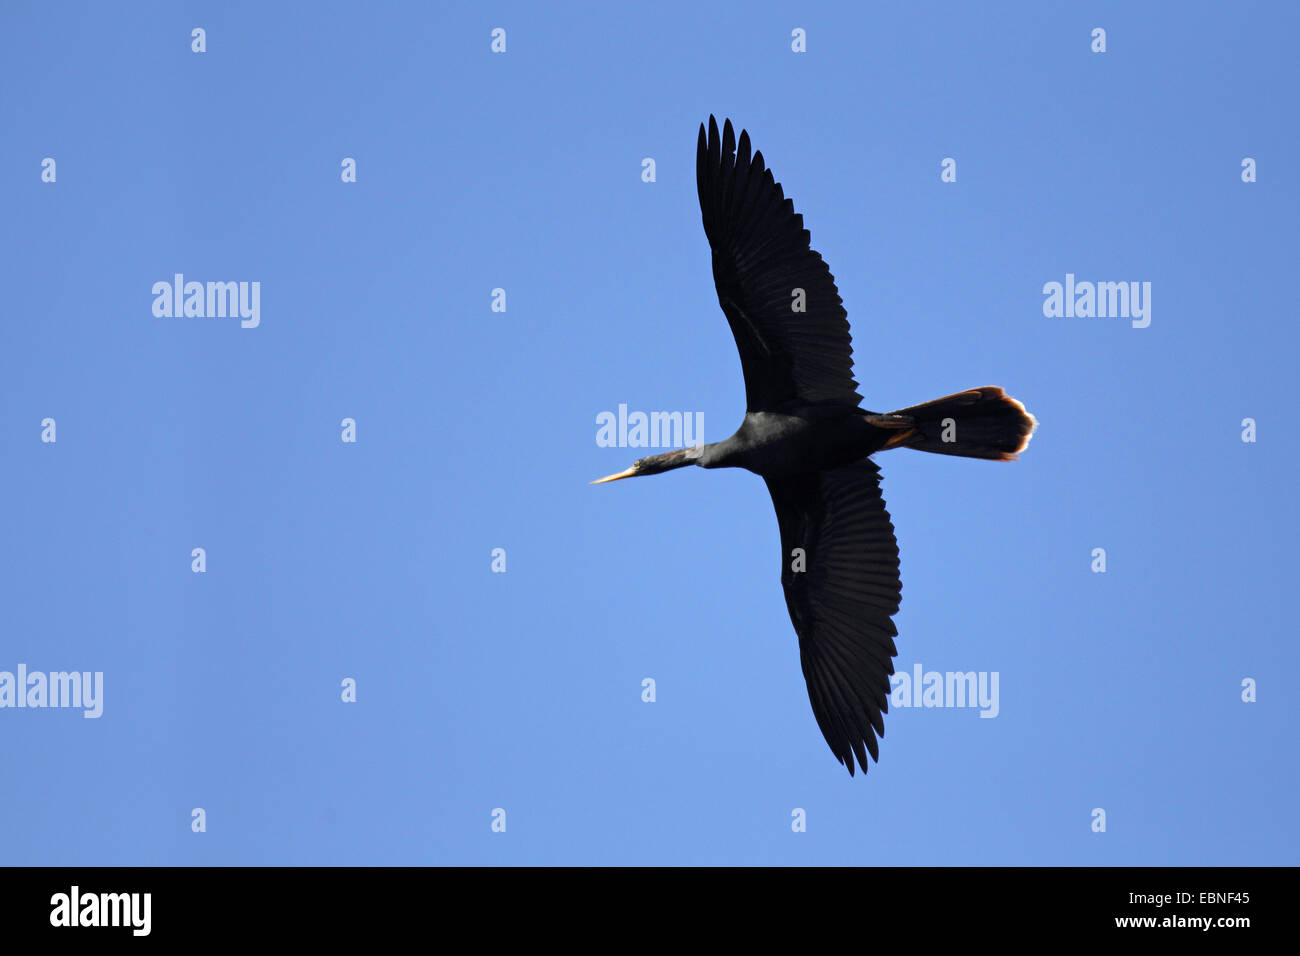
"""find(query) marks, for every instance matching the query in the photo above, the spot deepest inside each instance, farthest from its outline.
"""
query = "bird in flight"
(805, 433)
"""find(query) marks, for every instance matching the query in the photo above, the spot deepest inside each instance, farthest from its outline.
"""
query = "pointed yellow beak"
(628, 473)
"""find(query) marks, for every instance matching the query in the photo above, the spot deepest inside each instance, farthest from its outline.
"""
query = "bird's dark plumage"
(805, 433)
(842, 596)
(761, 255)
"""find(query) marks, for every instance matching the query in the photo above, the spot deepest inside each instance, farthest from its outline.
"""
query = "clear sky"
(476, 430)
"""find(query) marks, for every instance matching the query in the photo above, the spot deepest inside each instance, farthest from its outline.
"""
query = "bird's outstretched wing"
(761, 261)
(842, 600)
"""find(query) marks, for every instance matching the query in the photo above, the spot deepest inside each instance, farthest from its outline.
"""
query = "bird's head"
(655, 464)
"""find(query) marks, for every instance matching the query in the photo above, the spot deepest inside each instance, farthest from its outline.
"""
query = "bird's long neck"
(677, 458)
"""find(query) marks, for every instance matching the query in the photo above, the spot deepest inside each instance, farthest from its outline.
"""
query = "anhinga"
(805, 433)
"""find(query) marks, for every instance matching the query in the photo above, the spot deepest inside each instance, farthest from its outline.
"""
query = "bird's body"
(806, 435)
(797, 440)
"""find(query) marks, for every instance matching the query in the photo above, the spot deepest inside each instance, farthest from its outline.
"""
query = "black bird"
(805, 433)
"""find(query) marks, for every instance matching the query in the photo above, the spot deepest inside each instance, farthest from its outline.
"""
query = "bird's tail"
(978, 423)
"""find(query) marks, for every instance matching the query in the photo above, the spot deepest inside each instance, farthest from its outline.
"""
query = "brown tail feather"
(978, 423)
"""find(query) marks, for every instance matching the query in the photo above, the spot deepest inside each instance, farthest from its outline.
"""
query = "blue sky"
(476, 430)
